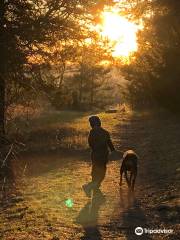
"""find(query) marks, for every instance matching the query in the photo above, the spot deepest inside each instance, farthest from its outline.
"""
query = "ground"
(50, 204)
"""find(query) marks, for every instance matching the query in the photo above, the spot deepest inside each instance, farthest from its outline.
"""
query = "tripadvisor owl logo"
(139, 231)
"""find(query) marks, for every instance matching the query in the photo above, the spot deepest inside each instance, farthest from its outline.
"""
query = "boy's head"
(95, 121)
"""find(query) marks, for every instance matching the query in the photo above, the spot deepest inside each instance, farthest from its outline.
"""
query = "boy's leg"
(87, 189)
(98, 174)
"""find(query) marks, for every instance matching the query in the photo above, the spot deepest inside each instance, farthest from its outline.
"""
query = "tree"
(154, 71)
(92, 73)
(34, 31)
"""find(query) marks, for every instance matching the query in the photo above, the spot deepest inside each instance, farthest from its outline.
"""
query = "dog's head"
(129, 152)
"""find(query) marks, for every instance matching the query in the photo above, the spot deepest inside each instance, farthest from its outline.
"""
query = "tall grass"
(52, 130)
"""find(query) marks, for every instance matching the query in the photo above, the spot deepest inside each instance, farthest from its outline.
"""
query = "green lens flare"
(69, 203)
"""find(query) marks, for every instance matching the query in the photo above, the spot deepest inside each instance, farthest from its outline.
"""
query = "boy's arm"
(90, 140)
(110, 144)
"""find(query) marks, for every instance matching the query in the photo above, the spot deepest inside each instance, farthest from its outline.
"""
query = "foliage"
(77, 83)
(154, 71)
(44, 31)
(92, 74)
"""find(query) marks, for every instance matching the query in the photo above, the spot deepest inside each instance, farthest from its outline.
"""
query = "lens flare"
(69, 203)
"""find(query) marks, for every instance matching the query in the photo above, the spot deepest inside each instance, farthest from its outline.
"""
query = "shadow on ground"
(88, 217)
(132, 217)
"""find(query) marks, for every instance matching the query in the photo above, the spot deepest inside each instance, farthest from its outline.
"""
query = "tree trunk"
(2, 125)
(62, 74)
(3, 63)
(2, 106)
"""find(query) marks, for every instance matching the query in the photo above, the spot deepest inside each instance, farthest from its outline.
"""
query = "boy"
(99, 141)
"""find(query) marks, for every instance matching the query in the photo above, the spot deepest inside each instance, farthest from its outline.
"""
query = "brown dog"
(129, 164)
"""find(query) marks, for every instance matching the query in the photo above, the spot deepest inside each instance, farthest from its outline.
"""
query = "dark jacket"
(100, 142)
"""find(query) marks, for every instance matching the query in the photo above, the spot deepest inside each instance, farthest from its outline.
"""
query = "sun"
(121, 34)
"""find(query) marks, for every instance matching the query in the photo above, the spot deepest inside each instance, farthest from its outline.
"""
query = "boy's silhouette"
(100, 142)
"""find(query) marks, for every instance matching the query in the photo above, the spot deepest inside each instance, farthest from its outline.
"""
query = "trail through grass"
(41, 211)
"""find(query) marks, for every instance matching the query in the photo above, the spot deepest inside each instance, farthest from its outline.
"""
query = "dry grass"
(58, 129)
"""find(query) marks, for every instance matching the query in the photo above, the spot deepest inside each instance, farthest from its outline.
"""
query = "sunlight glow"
(120, 32)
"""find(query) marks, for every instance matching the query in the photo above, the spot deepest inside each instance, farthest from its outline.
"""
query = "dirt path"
(53, 206)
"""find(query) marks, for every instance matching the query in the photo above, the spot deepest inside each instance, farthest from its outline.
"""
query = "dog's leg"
(131, 176)
(134, 179)
(127, 180)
